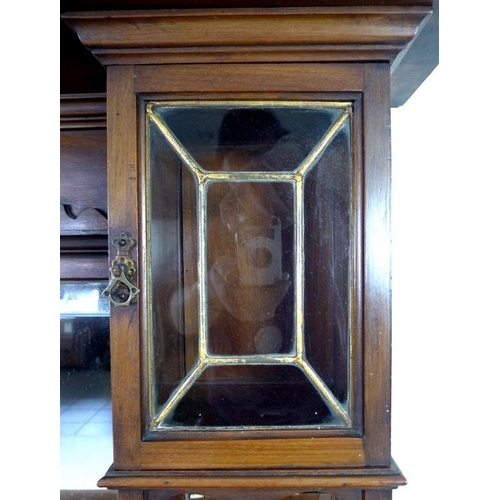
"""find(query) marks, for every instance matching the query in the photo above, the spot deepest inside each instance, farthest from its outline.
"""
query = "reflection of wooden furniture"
(83, 224)
(83, 219)
(223, 54)
(83, 338)
(76, 344)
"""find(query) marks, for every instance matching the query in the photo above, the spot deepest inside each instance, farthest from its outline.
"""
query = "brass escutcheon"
(120, 289)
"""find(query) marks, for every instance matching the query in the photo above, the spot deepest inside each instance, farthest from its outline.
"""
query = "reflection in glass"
(86, 444)
(173, 264)
(250, 263)
(84, 322)
(258, 395)
(327, 233)
(83, 299)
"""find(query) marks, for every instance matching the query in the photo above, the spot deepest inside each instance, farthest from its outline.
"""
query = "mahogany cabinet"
(248, 184)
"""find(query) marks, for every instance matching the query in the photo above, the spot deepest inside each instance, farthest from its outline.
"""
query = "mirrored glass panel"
(250, 261)
(86, 442)
(84, 317)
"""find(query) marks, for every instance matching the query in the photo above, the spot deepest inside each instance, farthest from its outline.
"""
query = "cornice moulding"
(246, 35)
(82, 111)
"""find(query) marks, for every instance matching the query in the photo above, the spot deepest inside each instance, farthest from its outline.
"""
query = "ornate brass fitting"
(120, 290)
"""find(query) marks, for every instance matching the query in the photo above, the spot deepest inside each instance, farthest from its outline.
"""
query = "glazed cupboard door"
(252, 330)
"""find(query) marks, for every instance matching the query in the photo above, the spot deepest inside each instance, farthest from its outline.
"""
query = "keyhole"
(120, 293)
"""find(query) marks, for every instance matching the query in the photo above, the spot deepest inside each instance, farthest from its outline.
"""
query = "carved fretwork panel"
(89, 220)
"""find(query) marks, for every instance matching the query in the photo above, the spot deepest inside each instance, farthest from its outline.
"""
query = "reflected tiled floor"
(86, 446)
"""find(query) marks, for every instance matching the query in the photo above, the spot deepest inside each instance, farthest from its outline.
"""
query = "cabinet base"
(261, 484)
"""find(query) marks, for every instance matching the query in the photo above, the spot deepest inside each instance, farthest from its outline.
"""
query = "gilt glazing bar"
(249, 233)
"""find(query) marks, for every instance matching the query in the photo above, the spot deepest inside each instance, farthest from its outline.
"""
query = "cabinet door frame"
(127, 85)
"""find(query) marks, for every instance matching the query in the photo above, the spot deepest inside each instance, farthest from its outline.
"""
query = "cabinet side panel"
(377, 291)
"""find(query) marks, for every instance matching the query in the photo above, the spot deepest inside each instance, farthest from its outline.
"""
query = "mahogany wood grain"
(377, 255)
(83, 171)
(81, 72)
(123, 216)
(273, 480)
(314, 452)
(237, 79)
(85, 110)
(342, 33)
(84, 266)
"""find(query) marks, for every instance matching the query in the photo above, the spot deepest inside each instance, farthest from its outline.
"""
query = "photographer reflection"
(258, 263)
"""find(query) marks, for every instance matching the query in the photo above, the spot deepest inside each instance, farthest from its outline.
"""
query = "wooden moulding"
(377, 33)
(268, 480)
(84, 267)
(82, 111)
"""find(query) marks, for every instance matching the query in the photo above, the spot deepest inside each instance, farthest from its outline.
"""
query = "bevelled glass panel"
(328, 257)
(172, 248)
(260, 396)
(249, 230)
(250, 233)
(269, 137)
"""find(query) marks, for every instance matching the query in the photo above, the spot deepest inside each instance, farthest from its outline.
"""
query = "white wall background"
(446, 274)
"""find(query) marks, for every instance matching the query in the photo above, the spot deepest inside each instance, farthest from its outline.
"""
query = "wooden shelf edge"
(294, 481)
